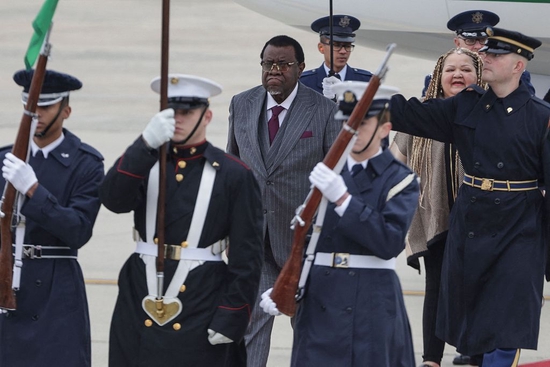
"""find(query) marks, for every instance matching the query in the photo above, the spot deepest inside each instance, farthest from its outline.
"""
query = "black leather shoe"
(461, 360)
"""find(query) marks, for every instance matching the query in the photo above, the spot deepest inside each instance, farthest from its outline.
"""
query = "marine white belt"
(346, 260)
(202, 254)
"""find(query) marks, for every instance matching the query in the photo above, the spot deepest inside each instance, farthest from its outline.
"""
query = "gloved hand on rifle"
(160, 129)
(328, 82)
(268, 305)
(328, 182)
(18, 173)
(217, 338)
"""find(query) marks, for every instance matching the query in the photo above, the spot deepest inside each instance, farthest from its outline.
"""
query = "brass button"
(184, 244)
(182, 164)
(177, 326)
(148, 323)
(179, 177)
(183, 288)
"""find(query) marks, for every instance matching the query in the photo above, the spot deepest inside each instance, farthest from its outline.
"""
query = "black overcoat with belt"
(496, 251)
(217, 296)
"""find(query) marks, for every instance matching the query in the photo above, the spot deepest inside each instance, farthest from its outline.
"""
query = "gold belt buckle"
(172, 252)
(487, 184)
(340, 260)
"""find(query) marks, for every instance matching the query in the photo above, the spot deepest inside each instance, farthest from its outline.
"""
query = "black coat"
(218, 296)
(494, 263)
(51, 326)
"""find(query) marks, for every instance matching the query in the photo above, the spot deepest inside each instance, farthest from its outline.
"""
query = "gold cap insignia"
(489, 31)
(344, 22)
(174, 80)
(477, 17)
(349, 97)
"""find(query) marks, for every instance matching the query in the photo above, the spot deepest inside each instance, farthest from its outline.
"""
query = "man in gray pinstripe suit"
(306, 130)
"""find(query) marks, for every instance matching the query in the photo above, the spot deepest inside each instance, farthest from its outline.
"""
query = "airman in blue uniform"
(51, 325)
(496, 251)
(352, 313)
(342, 42)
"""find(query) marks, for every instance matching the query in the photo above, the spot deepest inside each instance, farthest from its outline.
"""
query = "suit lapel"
(295, 123)
(256, 116)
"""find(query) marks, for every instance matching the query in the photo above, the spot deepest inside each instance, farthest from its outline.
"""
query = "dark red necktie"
(273, 123)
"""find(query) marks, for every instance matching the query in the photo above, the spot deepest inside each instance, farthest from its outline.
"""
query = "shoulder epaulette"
(309, 73)
(474, 88)
(362, 72)
(89, 149)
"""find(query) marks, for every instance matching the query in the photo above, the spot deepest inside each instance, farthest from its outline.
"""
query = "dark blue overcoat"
(357, 317)
(51, 325)
(495, 256)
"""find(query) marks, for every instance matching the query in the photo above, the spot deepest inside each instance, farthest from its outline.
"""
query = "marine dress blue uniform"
(356, 316)
(217, 296)
(494, 264)
(51, 325)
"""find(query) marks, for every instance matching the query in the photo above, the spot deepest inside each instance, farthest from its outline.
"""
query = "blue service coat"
(217, 296)
(494, 262)
(314, 78)
(357, 317)
(51, 325)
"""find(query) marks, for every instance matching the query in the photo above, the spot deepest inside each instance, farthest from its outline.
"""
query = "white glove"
(217, 338)
(328, 182)
(268, 305)
(160, 129)
(18, 173)
(328, 82)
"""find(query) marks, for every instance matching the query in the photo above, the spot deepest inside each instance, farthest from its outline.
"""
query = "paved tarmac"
(113, 46)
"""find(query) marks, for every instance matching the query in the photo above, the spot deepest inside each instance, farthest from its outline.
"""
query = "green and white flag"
(41, 26)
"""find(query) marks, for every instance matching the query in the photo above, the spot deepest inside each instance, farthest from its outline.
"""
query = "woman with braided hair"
(440, 171)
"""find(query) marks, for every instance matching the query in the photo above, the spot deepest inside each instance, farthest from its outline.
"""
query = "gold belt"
(489, 184)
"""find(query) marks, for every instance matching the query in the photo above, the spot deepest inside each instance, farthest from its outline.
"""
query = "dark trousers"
(433, 260)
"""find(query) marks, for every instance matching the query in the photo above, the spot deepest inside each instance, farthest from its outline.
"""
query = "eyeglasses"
(267, 66)
(472, 41)
(338, 46)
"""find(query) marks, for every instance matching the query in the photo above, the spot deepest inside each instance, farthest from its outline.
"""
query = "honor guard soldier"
(212, 207)
(352, 313)
(319, 79)
(60, 184)
(495, 256)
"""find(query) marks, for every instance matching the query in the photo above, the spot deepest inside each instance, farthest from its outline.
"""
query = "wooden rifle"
(161, 204)
(20, 150)
(286, 285)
